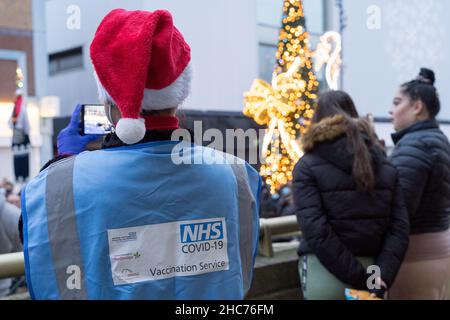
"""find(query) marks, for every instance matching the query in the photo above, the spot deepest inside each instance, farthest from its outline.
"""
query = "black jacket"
(422, 157)
(338, 222)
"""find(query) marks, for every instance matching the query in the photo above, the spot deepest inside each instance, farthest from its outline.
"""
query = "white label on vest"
(174, 249)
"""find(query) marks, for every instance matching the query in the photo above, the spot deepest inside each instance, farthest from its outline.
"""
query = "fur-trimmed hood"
(326, 130)
(328, 140)
(331, 128)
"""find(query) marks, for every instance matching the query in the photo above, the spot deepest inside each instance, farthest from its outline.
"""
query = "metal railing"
(12, 264)
(274, 227)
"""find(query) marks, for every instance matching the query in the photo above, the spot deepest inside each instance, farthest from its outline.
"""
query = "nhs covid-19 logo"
(205, 231)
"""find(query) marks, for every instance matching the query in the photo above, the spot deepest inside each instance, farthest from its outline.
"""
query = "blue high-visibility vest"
(158, 220)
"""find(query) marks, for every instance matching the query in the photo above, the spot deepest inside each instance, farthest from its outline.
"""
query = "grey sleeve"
(10, 219)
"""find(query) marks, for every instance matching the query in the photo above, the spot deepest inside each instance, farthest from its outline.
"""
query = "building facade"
(222, 35)
(233, 42)
(22, 45)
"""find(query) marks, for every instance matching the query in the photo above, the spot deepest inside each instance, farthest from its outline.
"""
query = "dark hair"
(334, 103)
(422, 88)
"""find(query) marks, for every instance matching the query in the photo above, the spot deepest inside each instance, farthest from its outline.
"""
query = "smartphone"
(94, 120)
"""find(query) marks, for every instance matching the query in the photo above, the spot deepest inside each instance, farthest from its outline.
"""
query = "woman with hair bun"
(422, 157)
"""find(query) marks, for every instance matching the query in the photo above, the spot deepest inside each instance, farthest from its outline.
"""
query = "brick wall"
(16, 14)
(15, 34)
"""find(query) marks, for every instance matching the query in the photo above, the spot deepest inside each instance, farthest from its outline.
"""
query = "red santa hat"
(141, 62)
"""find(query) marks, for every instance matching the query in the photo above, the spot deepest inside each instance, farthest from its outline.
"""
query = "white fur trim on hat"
(130, 131)
(171, 96)
(103, 95)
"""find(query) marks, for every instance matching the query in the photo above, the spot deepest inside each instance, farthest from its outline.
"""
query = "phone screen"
(95, 120)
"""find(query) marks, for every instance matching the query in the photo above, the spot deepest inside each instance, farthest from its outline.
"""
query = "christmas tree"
(287, 106)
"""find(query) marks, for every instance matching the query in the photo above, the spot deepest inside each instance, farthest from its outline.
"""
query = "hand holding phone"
(70, 141)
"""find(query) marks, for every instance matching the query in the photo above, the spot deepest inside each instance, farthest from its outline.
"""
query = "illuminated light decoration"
(328, 52)
(287, 105)
(19, 78)
(264, 104)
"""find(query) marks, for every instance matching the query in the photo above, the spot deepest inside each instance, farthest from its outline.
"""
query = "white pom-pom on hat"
(130, 131)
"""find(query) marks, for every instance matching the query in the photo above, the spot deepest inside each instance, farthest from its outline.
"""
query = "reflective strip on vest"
(62, 230)
(246, 209)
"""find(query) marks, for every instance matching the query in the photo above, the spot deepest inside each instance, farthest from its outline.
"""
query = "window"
(267, 60)
(269, 12)
(315, 15)
(66, 60)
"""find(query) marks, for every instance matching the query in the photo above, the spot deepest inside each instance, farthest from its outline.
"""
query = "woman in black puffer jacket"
(422, 157)
(349, 205)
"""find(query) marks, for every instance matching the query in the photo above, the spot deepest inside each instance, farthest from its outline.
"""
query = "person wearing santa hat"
(21, 137)
(127, 222)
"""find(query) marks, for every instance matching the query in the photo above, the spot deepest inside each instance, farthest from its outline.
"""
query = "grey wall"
(413, 34)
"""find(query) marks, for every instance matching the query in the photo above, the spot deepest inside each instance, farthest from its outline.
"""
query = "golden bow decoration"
(266, 104)
(265, 101)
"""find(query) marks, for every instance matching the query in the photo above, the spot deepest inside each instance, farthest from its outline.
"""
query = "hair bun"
(427, 76)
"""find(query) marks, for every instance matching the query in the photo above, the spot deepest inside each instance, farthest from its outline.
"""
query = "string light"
(287, 106)
(328, 52)
(19, 78)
